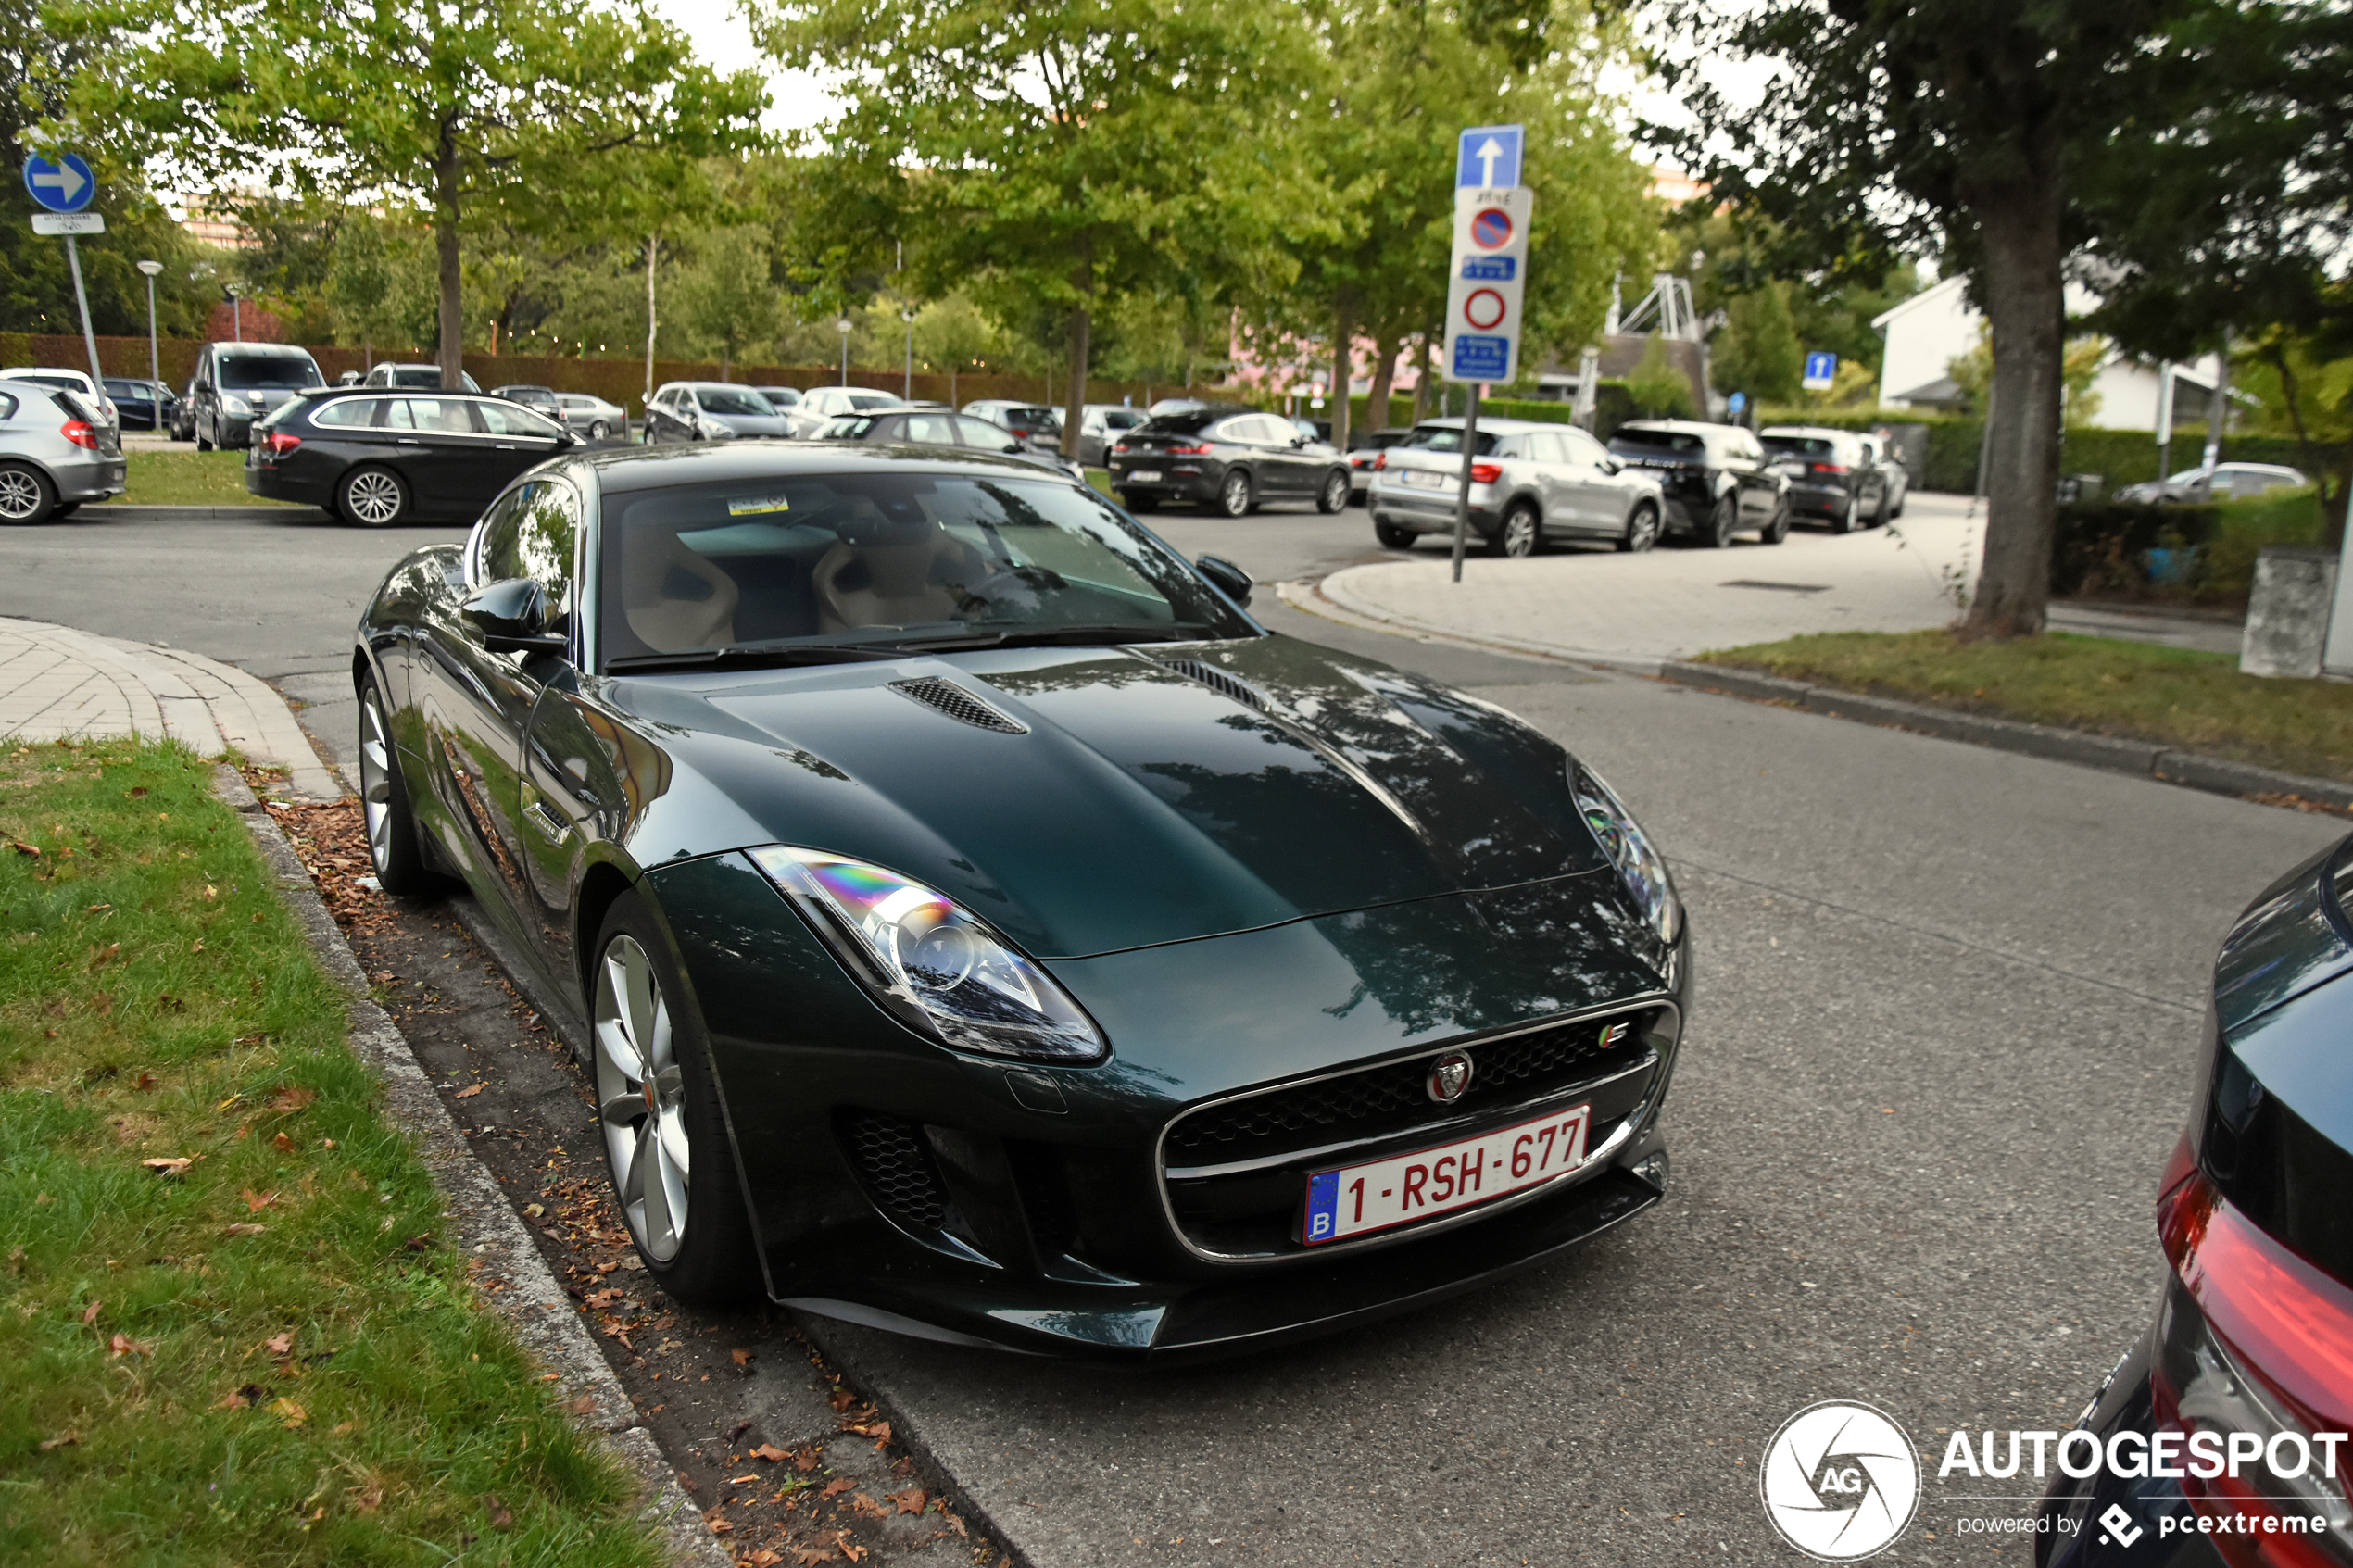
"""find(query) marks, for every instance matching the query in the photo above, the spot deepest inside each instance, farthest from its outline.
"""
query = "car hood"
(752, 425)
(1151, 796)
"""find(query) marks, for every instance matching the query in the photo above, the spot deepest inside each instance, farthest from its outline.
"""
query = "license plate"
(1143, 476)
(1358, 1198)
(1424, 479)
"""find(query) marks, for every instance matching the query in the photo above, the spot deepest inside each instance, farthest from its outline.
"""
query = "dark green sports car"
(980, 927)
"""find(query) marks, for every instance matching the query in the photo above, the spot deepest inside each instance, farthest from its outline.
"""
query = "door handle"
(407, 441)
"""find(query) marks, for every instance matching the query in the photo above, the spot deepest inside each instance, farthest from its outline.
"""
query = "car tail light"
(1486, 473)
(280, 443)
(1186, 451)
(79, 433)
(2257, 1349)
(1123, 446)
(1380, 462)
(1838, 469)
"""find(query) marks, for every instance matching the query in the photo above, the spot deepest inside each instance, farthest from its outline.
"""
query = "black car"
(711, 410)
(1230, 461)
(182, 417)
(928, 424)
(376, 456)
(2250, 1359)
(1038, 426)
(539, 399)
(979, 927)
(1717, 481)
(142, 405)
(1832, 476)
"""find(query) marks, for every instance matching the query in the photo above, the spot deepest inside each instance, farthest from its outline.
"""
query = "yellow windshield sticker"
(752, 506)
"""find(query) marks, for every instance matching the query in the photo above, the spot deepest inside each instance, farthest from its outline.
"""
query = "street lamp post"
(155, 365)
(236, 314)
(842, 327)
(907, 389)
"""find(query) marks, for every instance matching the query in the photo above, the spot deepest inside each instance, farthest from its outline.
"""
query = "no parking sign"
(1489, 267)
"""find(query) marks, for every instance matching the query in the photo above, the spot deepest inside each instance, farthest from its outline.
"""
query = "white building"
(1938, 325)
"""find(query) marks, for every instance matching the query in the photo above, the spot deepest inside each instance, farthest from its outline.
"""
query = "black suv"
(928, 424)
(1716, 480)
(1832, 475)
(379, 455)
(1229, 459)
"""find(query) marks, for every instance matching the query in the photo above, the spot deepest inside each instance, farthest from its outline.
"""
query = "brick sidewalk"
(57, 682)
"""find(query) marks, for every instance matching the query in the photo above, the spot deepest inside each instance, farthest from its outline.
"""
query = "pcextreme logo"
(1840, 1481)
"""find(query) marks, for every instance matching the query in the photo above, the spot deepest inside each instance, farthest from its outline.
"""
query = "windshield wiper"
(1051, 636)
(752, 656)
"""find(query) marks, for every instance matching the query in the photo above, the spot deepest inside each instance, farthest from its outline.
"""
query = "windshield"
(1801, 446)
(1030, 418)
(68, 383)
(1682, 441)
(245, 372)
(734, 400)
(1440, 438)
(885, 559)
(871, 399)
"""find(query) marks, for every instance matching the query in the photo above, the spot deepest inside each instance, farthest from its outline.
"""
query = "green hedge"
(2103, 547)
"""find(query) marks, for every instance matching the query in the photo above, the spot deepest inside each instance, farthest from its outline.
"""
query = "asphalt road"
(1946, 1001)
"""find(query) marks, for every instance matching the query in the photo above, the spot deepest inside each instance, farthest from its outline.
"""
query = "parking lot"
(1945, 999)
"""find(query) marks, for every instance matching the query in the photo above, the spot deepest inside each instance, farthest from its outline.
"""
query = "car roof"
(650, 468)
(1491, 427)
(1808, 430)
(267, 350)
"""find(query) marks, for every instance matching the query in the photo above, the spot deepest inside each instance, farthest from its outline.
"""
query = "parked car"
(2246, 1361)
(928, 424)
(1104, 423)
(1532, 484)
(591, 417)
(2226, 482)
(55, 452)
(711, 410)
(819, 405)
(350, 378)
(539, 399)
(885, 817)
(1040, 426)
(183, 414)
(88, 393)
(376, 456)
(140, 404)
(423, 377)
(782, 397)
(1360, 460)
(1889, 462)
(1229, 462)
(1715, 480)
(237, 384)
(1832, 476)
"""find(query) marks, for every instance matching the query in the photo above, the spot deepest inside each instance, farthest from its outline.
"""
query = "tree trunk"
(444, 236)
(2027, 310)
(1384, 375)
(1081, 320)
(653, 253)
(1421, 379)
(1344, 365)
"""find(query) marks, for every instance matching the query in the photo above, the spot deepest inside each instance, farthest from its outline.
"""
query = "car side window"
(8, 406)
(534, 531)
(494, 536)
(933, 430)
(443, 414)
(499, 419)
(981, 434)
(348, 412)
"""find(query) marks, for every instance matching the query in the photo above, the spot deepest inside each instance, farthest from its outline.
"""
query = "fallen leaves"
(175, 1166)
(866, 1507)
(601, 1298)
(101, 957)
(744, 1357)
(763, 1557)
(722, 1526)
(283, 1144)
(145, 1080)
(879, 1431)
(835, 1488)
(912, 1501)
(245, 1397)
(123, 1345)
(770, 1452)
(21, 848)
(500, 1518)
(242, 1229)
(469, 1091)
(367, 1499)
(285, 1410)
(810, 1556)
(841, 1399)
(533, 1210)
(418, 1243)
(63, 1439)
(293, 1096)
(281, 1344)
(90, 1314)
(257, 1201)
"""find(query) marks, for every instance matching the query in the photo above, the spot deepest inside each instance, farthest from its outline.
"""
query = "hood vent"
(1220, 682)
(958, 704)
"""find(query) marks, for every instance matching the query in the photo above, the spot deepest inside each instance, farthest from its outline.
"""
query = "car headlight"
(234, 405)
(719, 430)
(938, 967)
(1630, 849)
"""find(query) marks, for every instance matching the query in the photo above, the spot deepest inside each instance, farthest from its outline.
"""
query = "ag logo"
(1840, 1481)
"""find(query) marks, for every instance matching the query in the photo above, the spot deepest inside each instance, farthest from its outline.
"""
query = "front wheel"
(1396, 538)
(1721, 522)
(1333, 498)
(665, 1140)
(1642, 531)
(1523, 532)
(1844, 522)
(26, 494)
(197, 429)
(393, 844)
(598, 431)
(1236, 495)
(372, 498)
(1777, 530)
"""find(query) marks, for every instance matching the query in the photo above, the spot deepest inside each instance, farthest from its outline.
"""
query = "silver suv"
(1531, 484)
(54, 454)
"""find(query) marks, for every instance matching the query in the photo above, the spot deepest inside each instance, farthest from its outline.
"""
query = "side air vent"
(896, 1163)
(1218, 681)
(958, 704)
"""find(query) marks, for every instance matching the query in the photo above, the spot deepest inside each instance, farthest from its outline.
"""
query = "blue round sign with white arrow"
(64, 185)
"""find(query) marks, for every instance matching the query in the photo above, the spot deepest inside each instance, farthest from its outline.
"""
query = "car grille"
(958, 704)
(896, 1164)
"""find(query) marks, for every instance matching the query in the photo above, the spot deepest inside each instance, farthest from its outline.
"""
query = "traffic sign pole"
(89, 338)
(65, 185)
(1462, 502)
(1484, 282)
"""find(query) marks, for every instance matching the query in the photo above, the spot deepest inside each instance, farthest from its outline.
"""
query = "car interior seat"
(675, 598)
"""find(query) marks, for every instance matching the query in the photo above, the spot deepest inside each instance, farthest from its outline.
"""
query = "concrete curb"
(115, 511)
(2215, 774)
(486, 1226)
(1315, 598)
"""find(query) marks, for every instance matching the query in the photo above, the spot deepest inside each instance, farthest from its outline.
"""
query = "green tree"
(380, 286)
(1072, 151)
(1657, 386)
(722, 298)
(1757, 352)
(952, 335)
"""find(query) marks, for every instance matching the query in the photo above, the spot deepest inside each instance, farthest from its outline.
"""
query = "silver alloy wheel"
(373, 497)
(1520, 532)
(1641, 530)
(376, 781)
(1234, 498)
(598, 431)
(1336, 494)
(641, 1097)
(20, 495)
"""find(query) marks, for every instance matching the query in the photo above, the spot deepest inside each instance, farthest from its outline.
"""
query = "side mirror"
(513, 618)
(1225, 577)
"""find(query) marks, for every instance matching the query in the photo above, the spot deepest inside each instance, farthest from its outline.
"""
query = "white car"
(820, 405)
(92, 394)
(591, 417)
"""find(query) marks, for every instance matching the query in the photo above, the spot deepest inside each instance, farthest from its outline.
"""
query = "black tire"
(195, 428)
(399, 855)
(598, 431)
(64, 508)
(373, 497)
(1140, 504)
(1641, 530)
(1333, 496)
(26, 494)
(708, 1259)
(1523, 532)
(1396, 538)
(1844, 522)
(1236, 497)
(1721, 522)
(1776, 530)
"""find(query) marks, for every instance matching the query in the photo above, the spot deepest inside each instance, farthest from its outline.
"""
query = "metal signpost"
(1484, 282)
(66, 186)
(1821, 370)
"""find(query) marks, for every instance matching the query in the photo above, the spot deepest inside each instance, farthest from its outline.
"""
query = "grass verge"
(233, 1332)
(2175, 696)
(189, 478)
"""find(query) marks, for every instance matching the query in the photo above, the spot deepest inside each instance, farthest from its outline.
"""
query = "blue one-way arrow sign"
(1488, 156)
(66, 186)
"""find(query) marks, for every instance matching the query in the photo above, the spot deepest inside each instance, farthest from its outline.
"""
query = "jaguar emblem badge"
(1450, 1077)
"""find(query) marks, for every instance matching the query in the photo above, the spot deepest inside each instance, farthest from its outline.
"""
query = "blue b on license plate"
(1356, 1199)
